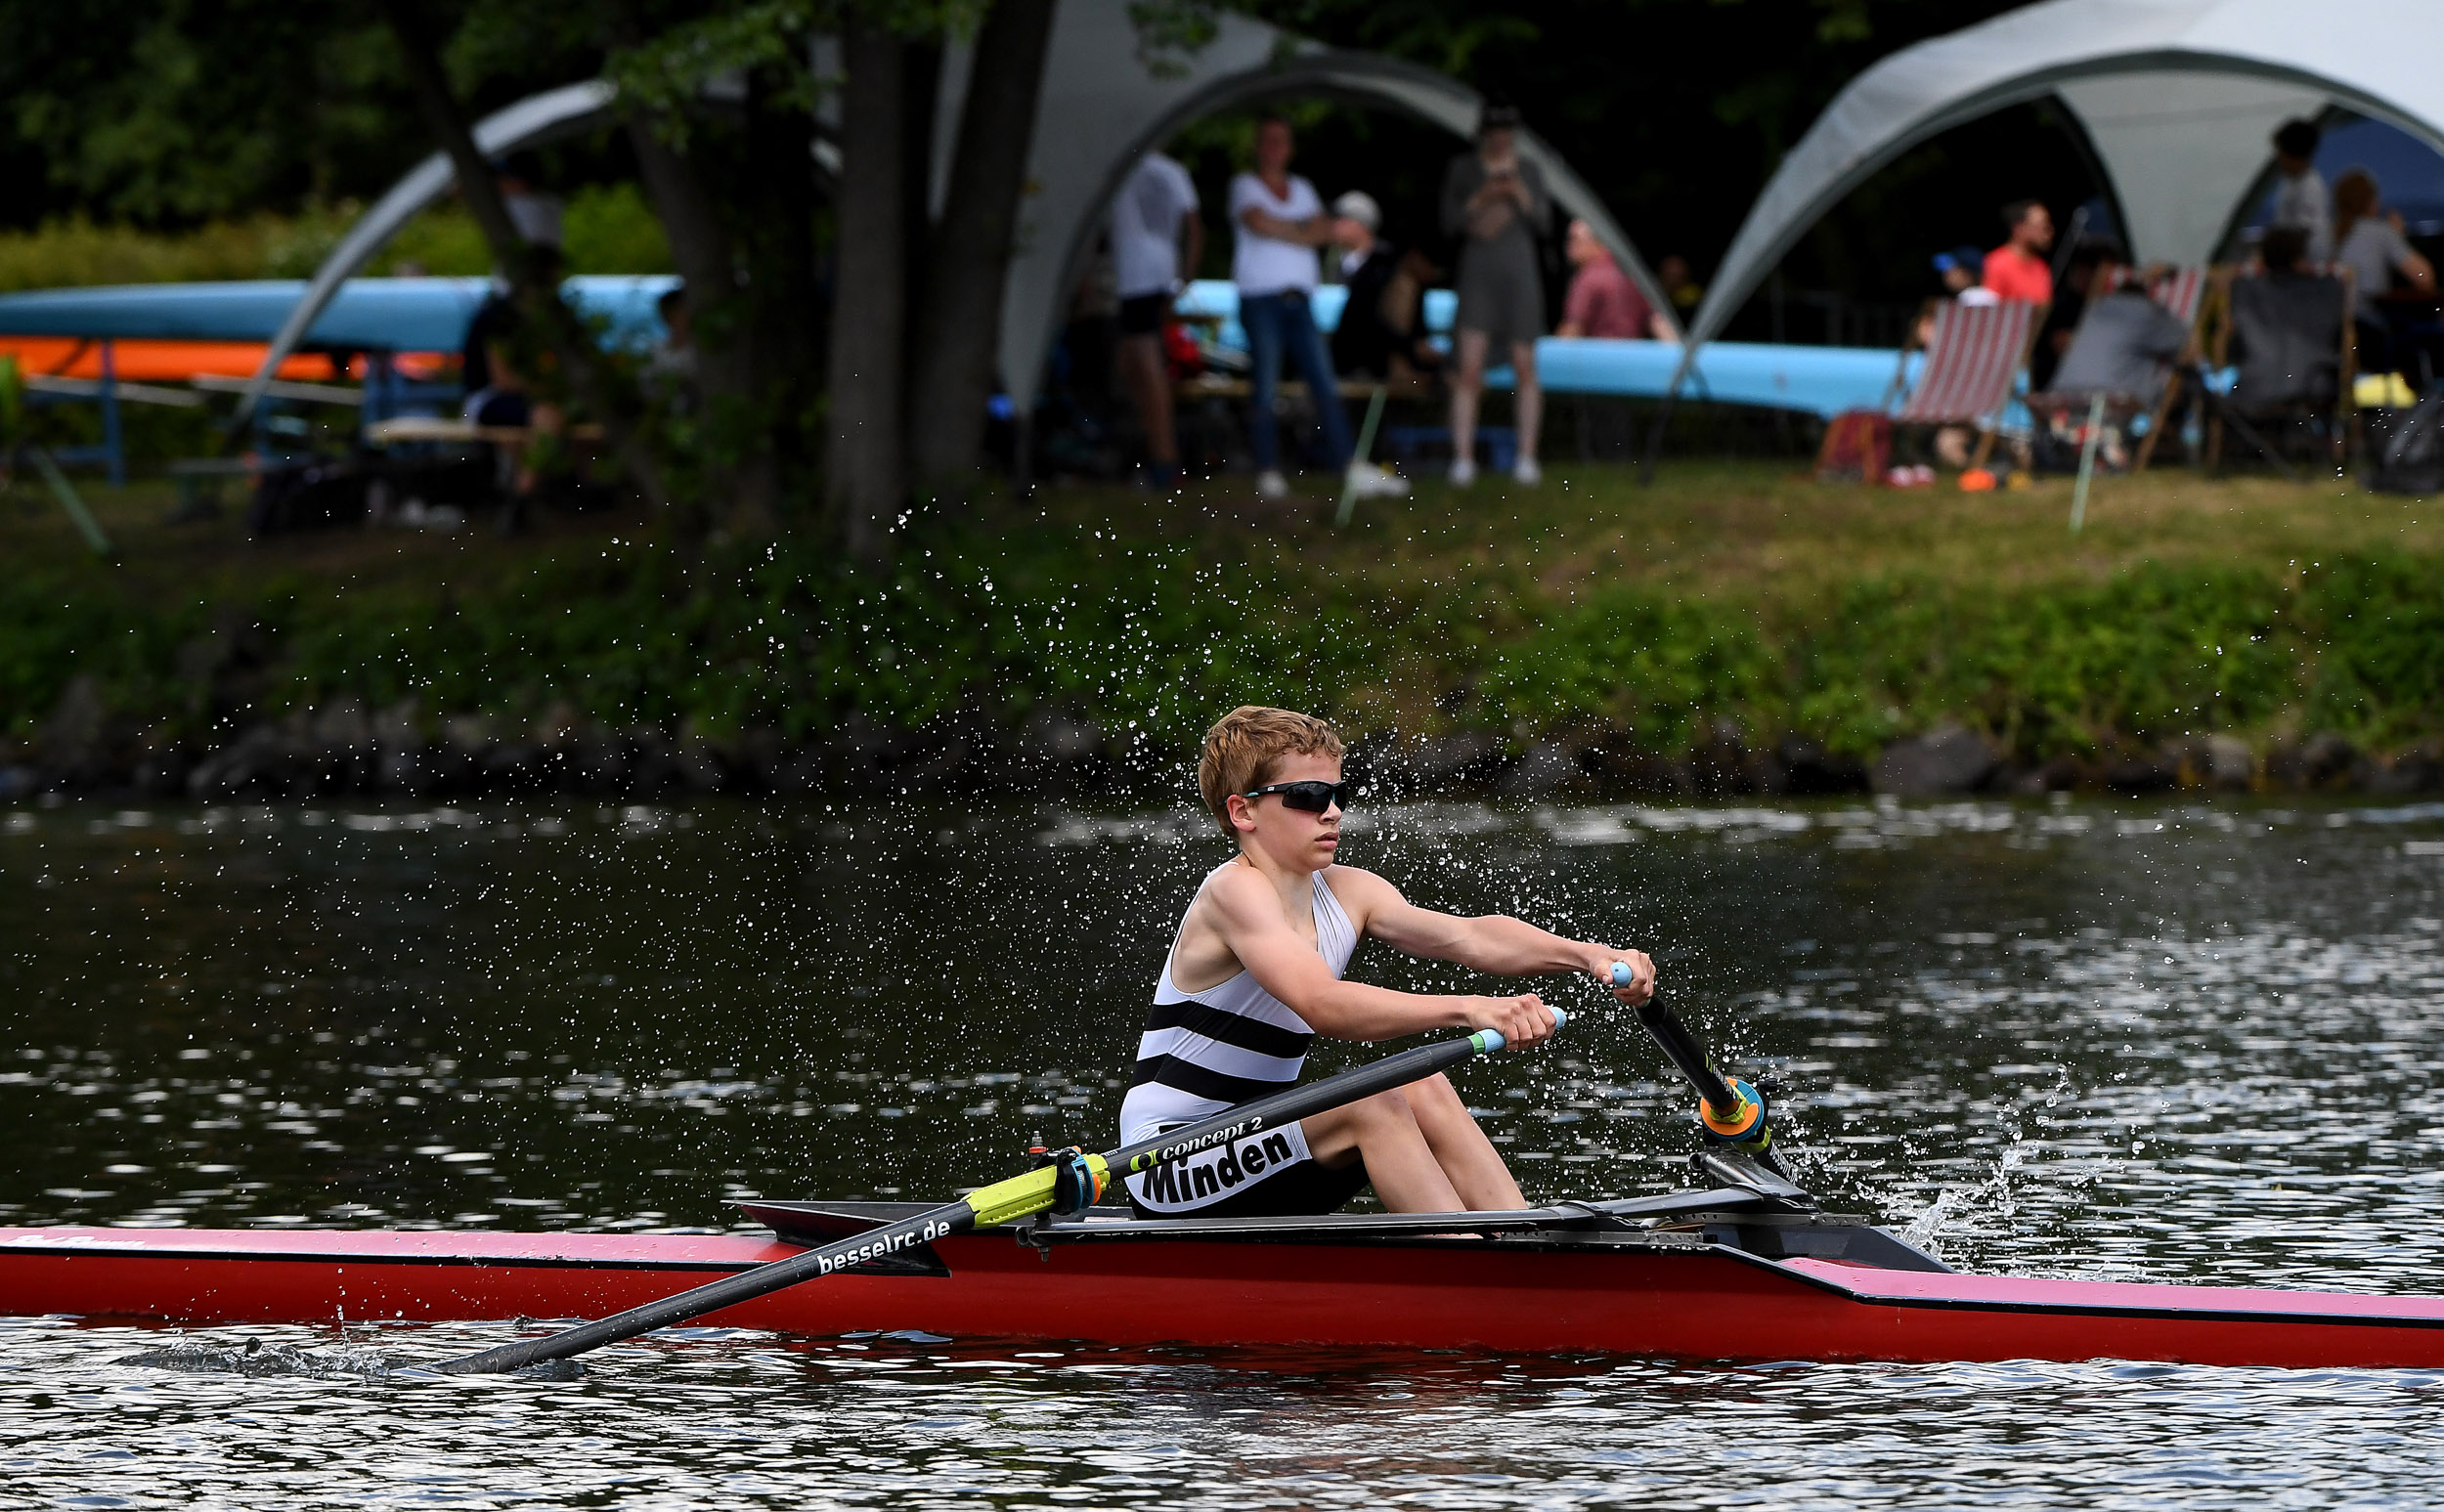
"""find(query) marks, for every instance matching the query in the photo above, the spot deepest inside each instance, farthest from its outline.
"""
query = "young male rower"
(1255, 974)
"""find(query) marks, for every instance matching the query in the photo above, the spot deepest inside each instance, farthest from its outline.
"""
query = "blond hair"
(1246, 745)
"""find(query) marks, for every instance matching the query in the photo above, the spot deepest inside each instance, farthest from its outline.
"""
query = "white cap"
(1360, 206)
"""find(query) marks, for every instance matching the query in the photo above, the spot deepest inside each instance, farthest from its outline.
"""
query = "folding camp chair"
(1974, 357)
(2298, 355)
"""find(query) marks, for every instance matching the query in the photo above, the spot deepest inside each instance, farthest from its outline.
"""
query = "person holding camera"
(1496, 205)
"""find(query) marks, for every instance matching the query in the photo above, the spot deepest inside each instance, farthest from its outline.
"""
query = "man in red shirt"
(1602, 300)
(2017, 270)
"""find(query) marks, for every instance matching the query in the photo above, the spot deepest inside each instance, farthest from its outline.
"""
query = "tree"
(539, 297)
(973, 242)
(868, 477)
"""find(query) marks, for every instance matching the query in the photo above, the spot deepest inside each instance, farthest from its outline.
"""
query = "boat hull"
(1560, 1294)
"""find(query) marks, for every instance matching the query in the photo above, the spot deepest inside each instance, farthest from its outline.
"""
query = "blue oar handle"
(1623, 976)
(1493, 1040)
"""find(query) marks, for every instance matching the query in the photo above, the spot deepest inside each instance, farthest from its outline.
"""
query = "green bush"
(1662, 669)
(608, 227)
(2380, 626)
(1153, 639)
(2059, 669)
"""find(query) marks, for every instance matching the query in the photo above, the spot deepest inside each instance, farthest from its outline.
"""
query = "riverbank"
(1731, 629)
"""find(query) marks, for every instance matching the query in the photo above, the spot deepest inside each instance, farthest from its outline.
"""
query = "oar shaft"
(1286, 1108)
(1006, 1201)
(729, 1291)
(1685, 1052)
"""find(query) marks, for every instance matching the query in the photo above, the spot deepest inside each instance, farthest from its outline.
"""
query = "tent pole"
(1366, 452)
(2087, 461)
(114, 443)
(1654, 444)
(70, 501)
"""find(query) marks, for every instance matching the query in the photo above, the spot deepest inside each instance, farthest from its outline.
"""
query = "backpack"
(1857, 442)
(2412, 457)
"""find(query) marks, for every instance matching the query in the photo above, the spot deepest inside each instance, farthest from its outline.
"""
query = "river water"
(2164, 1041)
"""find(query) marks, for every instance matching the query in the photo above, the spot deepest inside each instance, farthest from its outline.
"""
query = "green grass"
(1589, 607)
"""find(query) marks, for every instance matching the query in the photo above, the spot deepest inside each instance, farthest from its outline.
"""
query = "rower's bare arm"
(1489, 942)
(1248, 916)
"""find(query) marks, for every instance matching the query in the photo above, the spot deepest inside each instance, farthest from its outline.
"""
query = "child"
(1255, 974)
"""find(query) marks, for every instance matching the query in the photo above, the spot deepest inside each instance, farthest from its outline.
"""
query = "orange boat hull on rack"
(1704, 1294)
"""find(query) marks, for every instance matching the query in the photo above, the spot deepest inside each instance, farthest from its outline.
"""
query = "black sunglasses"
(1309, 796)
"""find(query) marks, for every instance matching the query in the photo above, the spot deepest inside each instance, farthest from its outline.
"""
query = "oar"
(1733, 1111)
(1071, 1181)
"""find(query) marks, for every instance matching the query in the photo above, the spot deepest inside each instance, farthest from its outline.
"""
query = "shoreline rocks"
(344, 748)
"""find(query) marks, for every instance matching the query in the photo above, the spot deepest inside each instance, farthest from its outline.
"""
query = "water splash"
(254, 1361)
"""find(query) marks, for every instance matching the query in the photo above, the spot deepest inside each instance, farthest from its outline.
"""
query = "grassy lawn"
(1759, 530)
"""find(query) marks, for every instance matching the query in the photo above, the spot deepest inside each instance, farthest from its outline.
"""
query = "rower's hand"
(1636, 992)
(1520, 1021)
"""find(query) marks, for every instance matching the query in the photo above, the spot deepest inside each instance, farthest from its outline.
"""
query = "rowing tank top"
(1207, 1051)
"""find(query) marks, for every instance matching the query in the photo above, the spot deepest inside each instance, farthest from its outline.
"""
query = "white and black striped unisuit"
(1211, 1049)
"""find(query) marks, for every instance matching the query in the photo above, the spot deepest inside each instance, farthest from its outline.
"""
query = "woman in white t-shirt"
(2372, 245)
(1277, 224)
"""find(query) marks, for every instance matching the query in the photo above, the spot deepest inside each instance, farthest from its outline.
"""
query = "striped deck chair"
(2183, 291)
(1974, 355)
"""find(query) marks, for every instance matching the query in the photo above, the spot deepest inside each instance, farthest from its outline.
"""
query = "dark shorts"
(1293, 1192)
(1143, 314)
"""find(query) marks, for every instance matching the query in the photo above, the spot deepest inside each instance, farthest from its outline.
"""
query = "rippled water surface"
(2087, 1039)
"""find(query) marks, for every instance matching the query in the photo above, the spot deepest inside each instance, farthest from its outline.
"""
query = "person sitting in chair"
(1382, 332)
(2287, 334)
(2122, 352)
(504, 362)
(2126, 344)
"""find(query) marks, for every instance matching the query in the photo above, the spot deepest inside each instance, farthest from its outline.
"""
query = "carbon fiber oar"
(1066, 1184)
(1730, 1110)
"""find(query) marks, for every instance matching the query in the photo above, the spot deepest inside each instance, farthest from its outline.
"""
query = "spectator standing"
(1155, 235)
(2018, 270)
(1277, 224)
(1495, 202)
(2373, 248)
(2300, 198)
(1603, 302)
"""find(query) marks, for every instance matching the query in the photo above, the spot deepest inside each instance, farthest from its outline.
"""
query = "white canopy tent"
(2178, 97)
(1103, 105)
